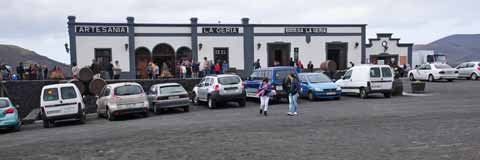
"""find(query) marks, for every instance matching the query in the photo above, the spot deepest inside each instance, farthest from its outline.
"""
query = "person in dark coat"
(310, 66)
(292, 86)
(20, 71)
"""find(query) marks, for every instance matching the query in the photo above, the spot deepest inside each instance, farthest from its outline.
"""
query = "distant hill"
(458, 48)
(12, 55)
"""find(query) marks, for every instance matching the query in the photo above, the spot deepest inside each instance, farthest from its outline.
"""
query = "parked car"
(275, 75)
(367, 79)
(9, 117)
(168, 95)
(433, 72)
(122, 99)
(318, 85)
(469, 70)
(61, 102)
(218, 89)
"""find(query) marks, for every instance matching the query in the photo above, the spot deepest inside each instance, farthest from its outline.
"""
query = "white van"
(367, 79)
(61, 102)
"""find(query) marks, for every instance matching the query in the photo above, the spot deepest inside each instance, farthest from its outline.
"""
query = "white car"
(469, 70)
(120, 99)
(219, 89)
(367, 79)
(432, 72)
(61, 102)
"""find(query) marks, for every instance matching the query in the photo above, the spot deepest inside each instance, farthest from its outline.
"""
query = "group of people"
(291, 84)
(154, 71)
(208, 67)
(100, 70)
(30, 72)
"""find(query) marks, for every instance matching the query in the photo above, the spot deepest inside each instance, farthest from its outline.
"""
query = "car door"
(427, 70)
(345, 82)
(469, 69)
(203, 89)
(376, 78)
(68, 96)
(417, 72)
(304, 85)
(461, 69)
(104, 99)
(387, 78)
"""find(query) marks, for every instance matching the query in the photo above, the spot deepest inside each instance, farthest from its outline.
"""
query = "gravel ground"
(442, 124)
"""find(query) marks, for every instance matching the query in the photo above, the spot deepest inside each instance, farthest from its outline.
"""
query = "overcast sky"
(41, 25)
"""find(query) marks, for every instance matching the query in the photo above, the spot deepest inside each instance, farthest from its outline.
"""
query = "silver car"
(121, 99)
(469, 70)
(168, 95)
(219, 88)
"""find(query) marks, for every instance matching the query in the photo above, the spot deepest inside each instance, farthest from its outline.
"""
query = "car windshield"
(282, 74)
(442, 66)
(171, 89)
(229, 80)
(128, 90)
(4, 103)
(318, 78)
(50, 94)
(68, 93)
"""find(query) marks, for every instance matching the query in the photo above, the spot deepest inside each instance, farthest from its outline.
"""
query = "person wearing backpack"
(292, 85)
(264, 92)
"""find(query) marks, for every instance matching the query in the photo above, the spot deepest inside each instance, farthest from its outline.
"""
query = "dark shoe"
(265, 113)
(261, 111)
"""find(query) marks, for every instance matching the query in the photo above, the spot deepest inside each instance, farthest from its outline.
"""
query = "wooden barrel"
(96, 86)
(85, 74)
(79, 85)
(329, 66)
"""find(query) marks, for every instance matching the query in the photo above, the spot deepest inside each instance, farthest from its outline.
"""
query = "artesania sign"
(101, 29)
(306, 30)
(220, 30)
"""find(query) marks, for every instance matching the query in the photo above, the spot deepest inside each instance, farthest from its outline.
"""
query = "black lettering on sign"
(306, 30)
(220, 30)
(101, 29)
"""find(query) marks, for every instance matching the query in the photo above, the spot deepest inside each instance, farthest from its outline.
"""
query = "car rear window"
(50, 94)
(68, 93)
(171, 89)
(4, 103)
(374, 72)
(229, 80)
(386, 72)
(442, 66)
(128, 90)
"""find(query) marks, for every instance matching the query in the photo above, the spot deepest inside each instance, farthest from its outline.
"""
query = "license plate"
(331, 93)
(279, 88)
(68, 110)
(376, 86)
(173, 97)
(251, 94)
(53, 112)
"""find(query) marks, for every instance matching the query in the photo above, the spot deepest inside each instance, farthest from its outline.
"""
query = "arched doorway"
(164, 56)
(142, 57)
(184, 53)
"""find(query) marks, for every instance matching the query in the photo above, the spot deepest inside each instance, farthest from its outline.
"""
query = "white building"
(387, 50)
(135, 44)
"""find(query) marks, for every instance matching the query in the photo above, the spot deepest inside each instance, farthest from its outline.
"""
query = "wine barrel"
(96, 86)
(85, 74)
(79, 85)
(329, 66)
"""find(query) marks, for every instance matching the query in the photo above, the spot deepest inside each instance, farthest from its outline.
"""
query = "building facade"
(136, 44)
(387, 50)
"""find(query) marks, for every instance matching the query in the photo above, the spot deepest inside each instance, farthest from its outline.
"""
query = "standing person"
(189, 69)
(109, 69)
(75, 70)
(45, 72)
(212, 67)
(95, 67)
(291, 62)
(310, 66)
(149, 70)
(297, 68)
(33, 72)
(225, 67)
(292, 85)
(20, 71)
(116, 70)
(264, 93)
(195, 69)
(257, 65)
(183, 70)
(205, 67)
(217, 67)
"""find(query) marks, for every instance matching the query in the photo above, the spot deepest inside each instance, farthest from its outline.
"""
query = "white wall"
(234, 44)
(377, 48)
(175, 42)
(162, 29)
(314, 51)
(86, 49)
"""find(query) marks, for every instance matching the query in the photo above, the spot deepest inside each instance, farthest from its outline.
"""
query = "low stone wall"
(27, 93)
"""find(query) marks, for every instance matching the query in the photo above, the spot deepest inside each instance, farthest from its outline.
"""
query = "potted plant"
(418, 87)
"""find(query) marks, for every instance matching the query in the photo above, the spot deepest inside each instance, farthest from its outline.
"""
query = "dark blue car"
(318, 86)
(276, 75)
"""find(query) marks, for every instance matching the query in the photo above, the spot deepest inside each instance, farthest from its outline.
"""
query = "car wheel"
(46, 123)
(145, 114)
(430, 78)
(195, 99)
(241, 103)
(450, 80)
(363, 93)
(387, 95)
(412, 78)
(186, 109)
(310, 96)
(110, 117)
(211, 103)
(473, 76)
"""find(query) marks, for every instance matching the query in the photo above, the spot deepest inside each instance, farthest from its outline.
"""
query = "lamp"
(259, 45)
(126, 46)
(66, 48)
(356, 44)
(200, 46)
